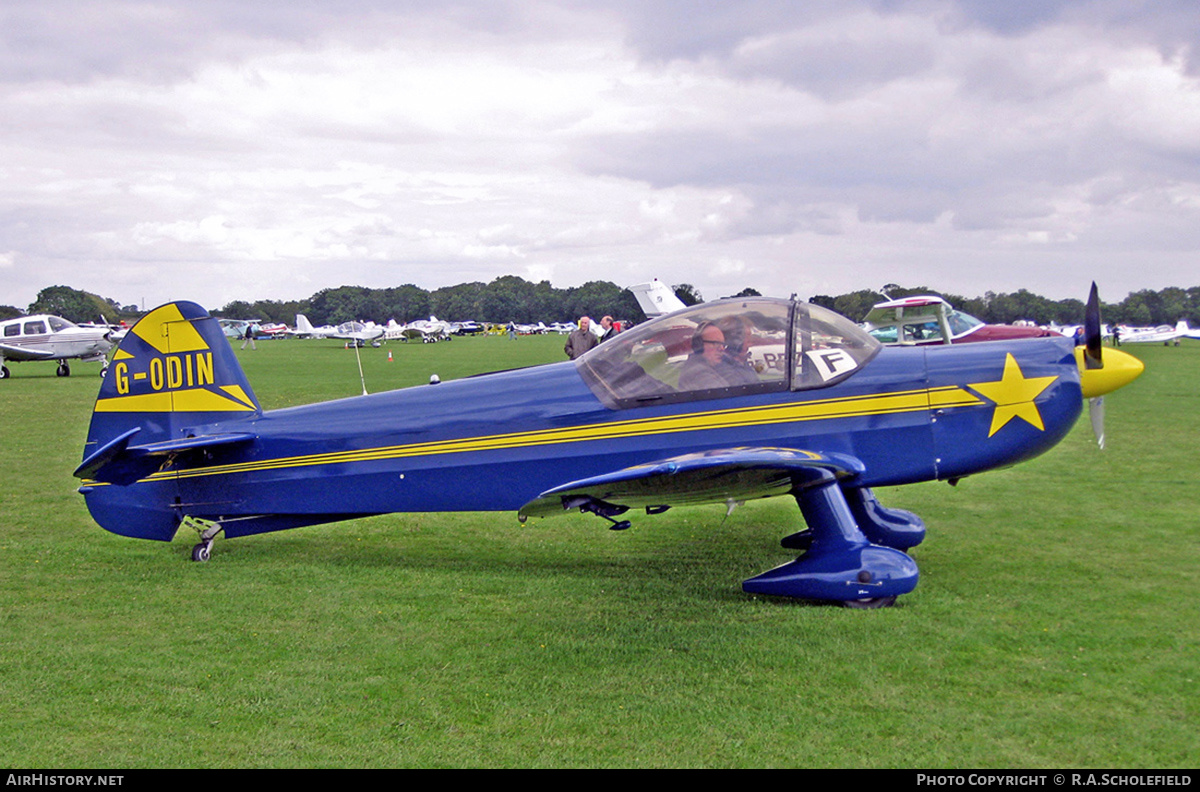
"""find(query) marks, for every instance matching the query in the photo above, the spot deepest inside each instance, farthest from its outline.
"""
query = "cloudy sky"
(234, 149)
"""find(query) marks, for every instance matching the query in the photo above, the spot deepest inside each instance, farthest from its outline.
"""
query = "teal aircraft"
(717, 403)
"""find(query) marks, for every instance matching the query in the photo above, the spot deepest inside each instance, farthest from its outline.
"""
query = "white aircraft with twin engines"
(47, 337)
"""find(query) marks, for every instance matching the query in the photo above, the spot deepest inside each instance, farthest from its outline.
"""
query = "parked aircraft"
(46, 337)
(305, 329)
(931, 320)
(359, 333)
(236, 328)
(178, 437)
(469, 328)
(427, 331)
(1163, 334)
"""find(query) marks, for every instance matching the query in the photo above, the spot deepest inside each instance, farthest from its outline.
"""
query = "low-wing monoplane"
(359, 333)
(428, 331)
(305, 329)
(46, 337)
(1163, 334)
(178, 437)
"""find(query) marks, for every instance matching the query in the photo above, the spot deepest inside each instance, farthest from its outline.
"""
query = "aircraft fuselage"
(493, 443)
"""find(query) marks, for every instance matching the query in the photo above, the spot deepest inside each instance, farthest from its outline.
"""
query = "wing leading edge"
(720, 476)
(23, 353)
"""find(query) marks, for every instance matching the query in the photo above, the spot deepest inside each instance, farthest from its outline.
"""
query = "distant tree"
(346, 304)
(1068, 312)
(507, 296)
(748, 292)
(823, 300)
(405, 303)
(855, 305)
(283, 312)
(456, 303)
(71, 304)
(687, 293)
(894, 292)
(548, 303)
(510, 297)
(237, 309)
(600, 298)
(975, 306)
(1193, 302)
(10, 312)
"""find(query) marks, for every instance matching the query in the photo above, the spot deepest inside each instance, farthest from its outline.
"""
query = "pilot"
(711, 365)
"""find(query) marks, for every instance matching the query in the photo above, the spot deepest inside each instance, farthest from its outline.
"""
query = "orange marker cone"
(389, 356)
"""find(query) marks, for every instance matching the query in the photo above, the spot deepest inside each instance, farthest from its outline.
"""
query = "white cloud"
(222, 151)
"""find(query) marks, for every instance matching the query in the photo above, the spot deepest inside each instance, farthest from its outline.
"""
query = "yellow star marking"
(1014, 395)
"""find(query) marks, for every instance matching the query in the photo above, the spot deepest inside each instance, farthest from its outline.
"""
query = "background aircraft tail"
(656, 299)
(170, 382)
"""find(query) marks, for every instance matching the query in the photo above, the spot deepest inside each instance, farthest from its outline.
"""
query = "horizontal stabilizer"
(117, 462)
(720, 476)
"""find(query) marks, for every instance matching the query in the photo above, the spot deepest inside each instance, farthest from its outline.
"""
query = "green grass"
(1054, 626)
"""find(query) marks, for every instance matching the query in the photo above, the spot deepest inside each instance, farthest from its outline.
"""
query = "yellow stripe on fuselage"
(855, 407)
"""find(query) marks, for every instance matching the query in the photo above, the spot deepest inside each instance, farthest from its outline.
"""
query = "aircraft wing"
(725, 476)
(23, 353)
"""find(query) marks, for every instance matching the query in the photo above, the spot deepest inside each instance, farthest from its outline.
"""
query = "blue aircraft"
(718, 403)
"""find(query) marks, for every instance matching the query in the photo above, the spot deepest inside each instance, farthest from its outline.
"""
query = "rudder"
(173, 375)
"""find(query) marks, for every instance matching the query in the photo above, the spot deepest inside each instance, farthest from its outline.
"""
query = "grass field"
(1055, 624)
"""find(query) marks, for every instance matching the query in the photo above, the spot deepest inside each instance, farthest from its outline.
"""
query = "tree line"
(506, 299)
(513, 299)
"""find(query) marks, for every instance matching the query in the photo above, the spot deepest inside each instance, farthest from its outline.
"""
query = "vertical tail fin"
(656, 299)
(174, 388)
(174, 371)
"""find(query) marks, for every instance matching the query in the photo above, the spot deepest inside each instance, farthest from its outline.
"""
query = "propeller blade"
(1096, 413)
(1091, 331)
